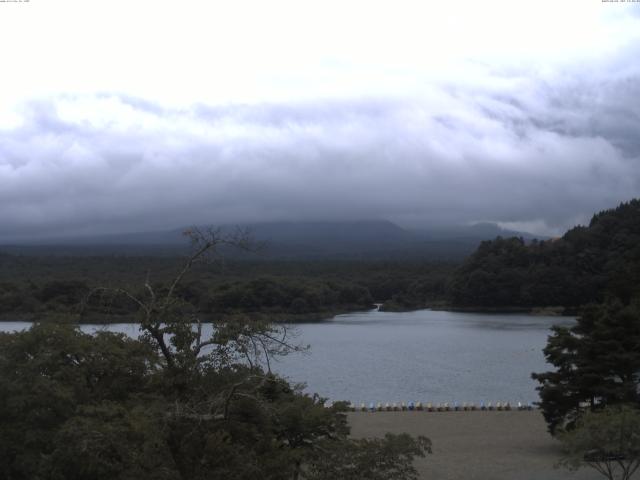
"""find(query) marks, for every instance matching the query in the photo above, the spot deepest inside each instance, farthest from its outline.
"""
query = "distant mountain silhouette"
(368, 239)
(482, 231)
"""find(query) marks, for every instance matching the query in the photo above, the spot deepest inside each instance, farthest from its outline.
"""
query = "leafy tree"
(48, 376)
(597, 363)
(369, 459)
(172, 404)
(607, 440)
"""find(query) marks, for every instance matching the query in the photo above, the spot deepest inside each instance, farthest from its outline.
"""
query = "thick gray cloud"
(538, 153)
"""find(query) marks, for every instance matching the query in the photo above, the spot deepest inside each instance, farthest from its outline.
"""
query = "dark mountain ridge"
(302, 240)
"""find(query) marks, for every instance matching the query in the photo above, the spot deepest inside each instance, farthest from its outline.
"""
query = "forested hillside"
(35, 287)
(585, 265)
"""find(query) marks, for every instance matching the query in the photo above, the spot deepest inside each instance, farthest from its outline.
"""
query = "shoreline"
(551, 310)
(106, 319)
(284, 318)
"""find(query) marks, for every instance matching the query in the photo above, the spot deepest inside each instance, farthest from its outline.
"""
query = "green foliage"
(597, 363)
(65, 292)
(369, 459)
(48, 376)
(607, 440)
(281, 295)
(36, 287)
(110, 440)
(585, 265)
(172, 404)
(77, 406)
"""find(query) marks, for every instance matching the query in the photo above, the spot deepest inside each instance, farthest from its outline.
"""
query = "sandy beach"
(496, 445)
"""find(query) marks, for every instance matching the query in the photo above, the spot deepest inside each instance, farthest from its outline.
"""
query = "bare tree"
(174, 328)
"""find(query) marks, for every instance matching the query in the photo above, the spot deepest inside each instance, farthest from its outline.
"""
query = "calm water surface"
(424, 355)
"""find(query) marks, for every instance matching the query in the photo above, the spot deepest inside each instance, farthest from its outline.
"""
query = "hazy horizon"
(441, 230)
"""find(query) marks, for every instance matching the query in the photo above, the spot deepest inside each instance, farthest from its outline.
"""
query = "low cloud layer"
(529, 150)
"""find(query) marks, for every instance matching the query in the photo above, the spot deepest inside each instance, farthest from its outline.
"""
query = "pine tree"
(597, 363)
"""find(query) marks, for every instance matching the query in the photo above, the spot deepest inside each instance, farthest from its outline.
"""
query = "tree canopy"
(172, 404)
(585, 265)
(607, 440)
(597, 363)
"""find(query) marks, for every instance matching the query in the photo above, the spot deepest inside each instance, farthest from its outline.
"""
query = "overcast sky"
(127, 116)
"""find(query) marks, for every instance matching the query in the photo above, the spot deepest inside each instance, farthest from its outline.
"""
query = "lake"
(424, 355)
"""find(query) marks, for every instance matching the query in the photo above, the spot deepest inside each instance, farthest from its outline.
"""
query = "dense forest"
(587, 264)
(33, 287)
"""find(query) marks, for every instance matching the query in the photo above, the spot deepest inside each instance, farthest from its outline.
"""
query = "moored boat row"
(439, 407)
